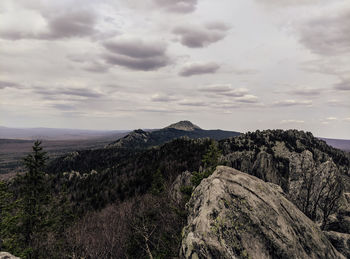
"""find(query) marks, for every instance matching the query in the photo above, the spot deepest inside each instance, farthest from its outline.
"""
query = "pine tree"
(34, 198)
(158, 183)
(209, 161)
(211, 157)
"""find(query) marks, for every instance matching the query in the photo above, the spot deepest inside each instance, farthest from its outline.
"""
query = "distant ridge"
(343, 144)
(139, 139)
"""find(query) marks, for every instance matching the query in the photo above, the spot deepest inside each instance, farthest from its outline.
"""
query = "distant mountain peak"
(184, 125)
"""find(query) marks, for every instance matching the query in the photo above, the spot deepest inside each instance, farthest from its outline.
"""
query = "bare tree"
(332, 195)
(101, 234)
(320, 192)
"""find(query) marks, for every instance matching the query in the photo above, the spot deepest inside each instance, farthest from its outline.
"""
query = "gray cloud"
(193, 103)
(146, 64)
(137, 55)
(343, 86)
(6, 84)
(163, 98)
(289, 103)
(63, 107)
(136, 48)
(201, 36)
(216, 88)
(247, 99)
(96, 67)
(199, 69)
(72, 24)
(177, 6)
(225, 90)
(57, 93)
(67, 24)
(306, 92)
(329, 34)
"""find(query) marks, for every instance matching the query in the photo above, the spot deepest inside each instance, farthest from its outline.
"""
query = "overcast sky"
(237, 65)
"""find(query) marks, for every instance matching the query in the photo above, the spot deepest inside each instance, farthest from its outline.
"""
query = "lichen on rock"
(236, 215)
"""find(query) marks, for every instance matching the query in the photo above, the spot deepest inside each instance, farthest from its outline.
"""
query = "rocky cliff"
(236, 215)
(314, 175)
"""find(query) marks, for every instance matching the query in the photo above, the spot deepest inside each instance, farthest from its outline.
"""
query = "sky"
(237, 65)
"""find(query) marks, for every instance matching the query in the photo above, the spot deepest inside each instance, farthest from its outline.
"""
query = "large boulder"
(236, 215)
(5, 255)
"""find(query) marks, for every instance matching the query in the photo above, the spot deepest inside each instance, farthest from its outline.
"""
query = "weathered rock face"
(306, 177)
(182, 180)
(236, 215)
(340, 241)
(341, 221)
(5, 255)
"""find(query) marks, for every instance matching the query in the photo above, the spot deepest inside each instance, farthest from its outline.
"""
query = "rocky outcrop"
(137, 139)
(5, 255)
(177, 188)
(340, 241)
(236, 215)
(312, 174)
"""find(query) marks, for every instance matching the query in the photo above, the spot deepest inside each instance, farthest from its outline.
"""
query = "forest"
(120, 203)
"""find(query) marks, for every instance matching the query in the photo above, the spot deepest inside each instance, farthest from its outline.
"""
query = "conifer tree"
(211, 157)
(34, 197)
